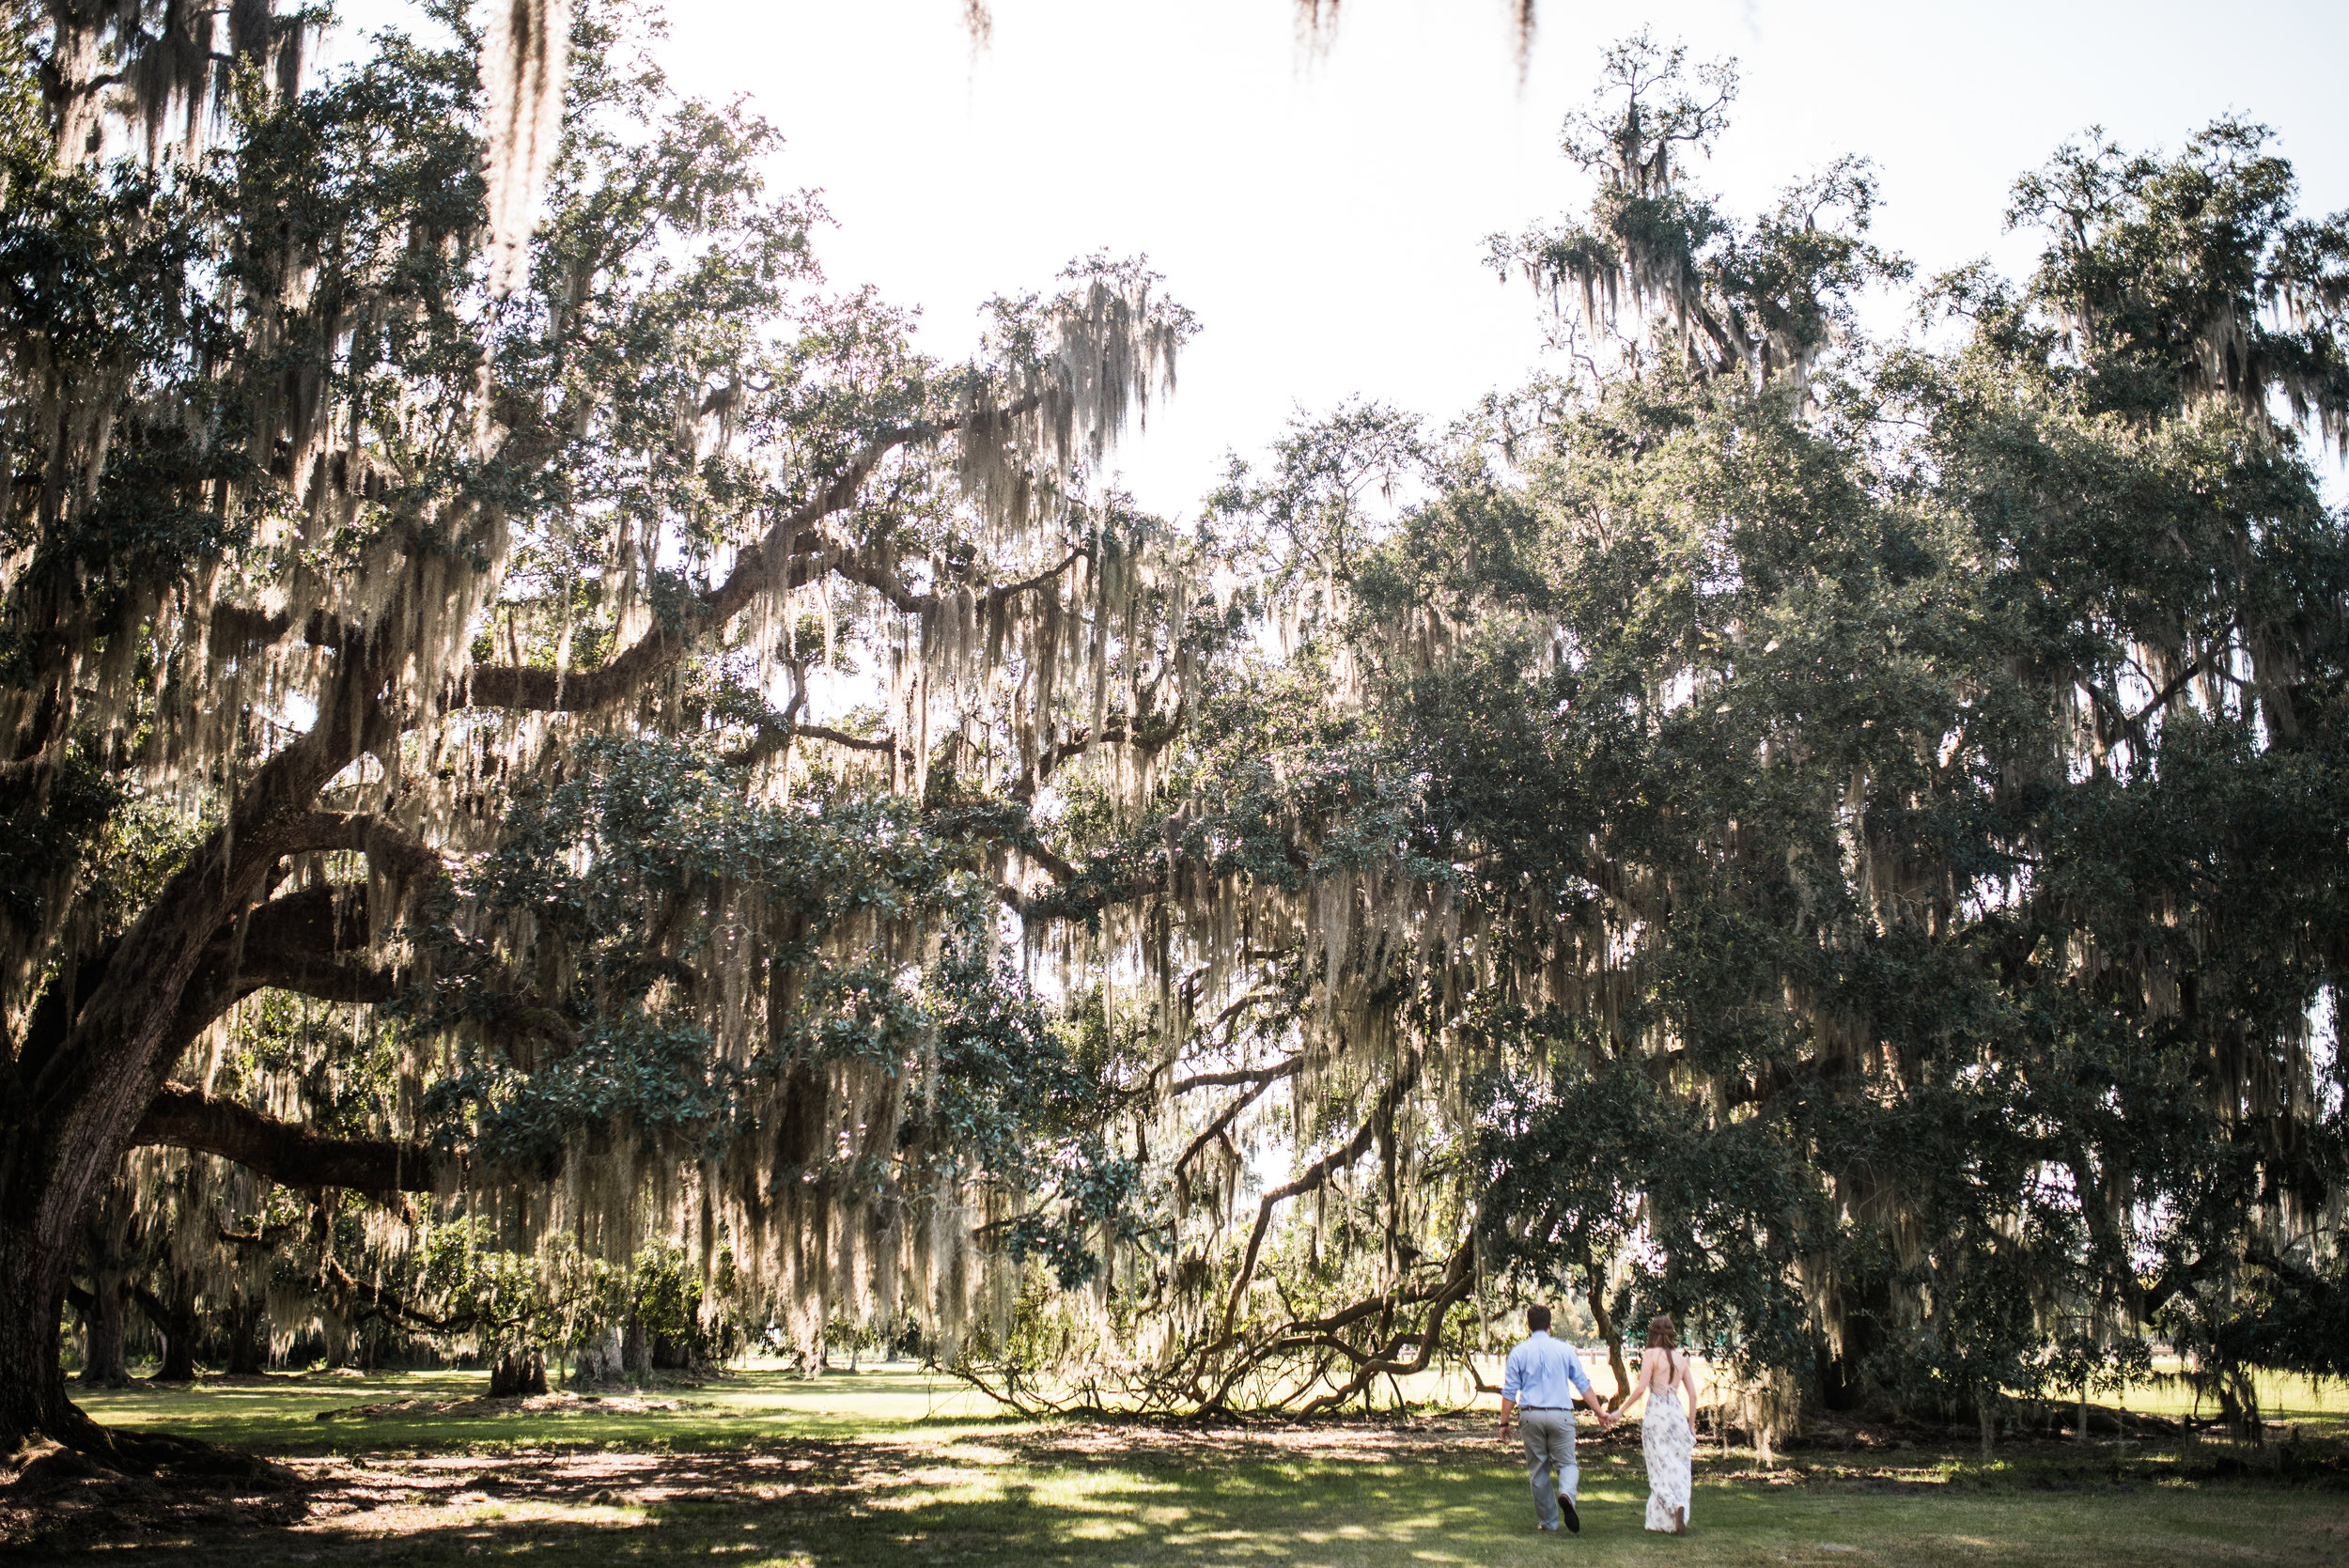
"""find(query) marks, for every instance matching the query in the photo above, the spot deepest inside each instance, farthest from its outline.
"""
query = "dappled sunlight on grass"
(929, 1506)
(281, 1413)
(2282, 1397)
(896, 1465)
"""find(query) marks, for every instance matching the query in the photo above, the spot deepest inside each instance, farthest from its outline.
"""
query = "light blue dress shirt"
(1543, 1373)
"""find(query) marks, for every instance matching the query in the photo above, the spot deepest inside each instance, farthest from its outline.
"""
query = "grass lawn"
(896, 1466)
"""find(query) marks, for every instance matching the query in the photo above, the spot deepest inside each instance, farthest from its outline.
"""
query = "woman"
(1667, 1433)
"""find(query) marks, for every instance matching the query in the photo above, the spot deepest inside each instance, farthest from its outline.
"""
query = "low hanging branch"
(181, 1117)
(1391, 1350)
(1394, 1330)
(1460, 1278)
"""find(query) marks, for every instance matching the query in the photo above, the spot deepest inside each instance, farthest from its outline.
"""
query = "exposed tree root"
(115, 1483)
(86, 1450)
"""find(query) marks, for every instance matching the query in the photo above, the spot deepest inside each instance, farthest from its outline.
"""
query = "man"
(1539, 1386)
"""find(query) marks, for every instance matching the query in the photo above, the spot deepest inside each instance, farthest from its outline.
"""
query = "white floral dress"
(1669, 1443)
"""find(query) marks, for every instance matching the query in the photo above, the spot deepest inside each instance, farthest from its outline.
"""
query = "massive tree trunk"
(32, 1309)
(599, 1360)
(102, 1362)
(173, 1313)
(519, 1371)
(99, 1045)
(247, 1350)
(1612, 1338)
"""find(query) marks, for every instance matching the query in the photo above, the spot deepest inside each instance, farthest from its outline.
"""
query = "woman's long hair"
(1661, 1335)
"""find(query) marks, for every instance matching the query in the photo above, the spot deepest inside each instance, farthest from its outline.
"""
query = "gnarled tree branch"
(791, 551)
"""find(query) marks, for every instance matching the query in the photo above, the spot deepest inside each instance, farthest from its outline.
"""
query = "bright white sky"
(1325, 214)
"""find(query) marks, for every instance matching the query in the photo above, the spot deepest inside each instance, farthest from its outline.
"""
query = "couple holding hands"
(1544, 1376)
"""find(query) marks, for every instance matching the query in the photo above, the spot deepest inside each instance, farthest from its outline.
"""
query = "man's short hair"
(1537, 1318)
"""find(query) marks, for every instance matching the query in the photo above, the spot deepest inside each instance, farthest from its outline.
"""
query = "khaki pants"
(1549, 1442)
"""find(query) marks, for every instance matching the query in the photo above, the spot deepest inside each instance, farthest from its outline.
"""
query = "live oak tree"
(1837, 840)
(1950, 749)
(416, 610)
(419, 610)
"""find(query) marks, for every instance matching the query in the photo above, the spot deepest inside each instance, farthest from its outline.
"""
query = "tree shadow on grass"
(1099, 1495)
(814, 1503)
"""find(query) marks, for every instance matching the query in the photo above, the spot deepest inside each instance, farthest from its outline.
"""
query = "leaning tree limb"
(1460, 1278)
(794, 550)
